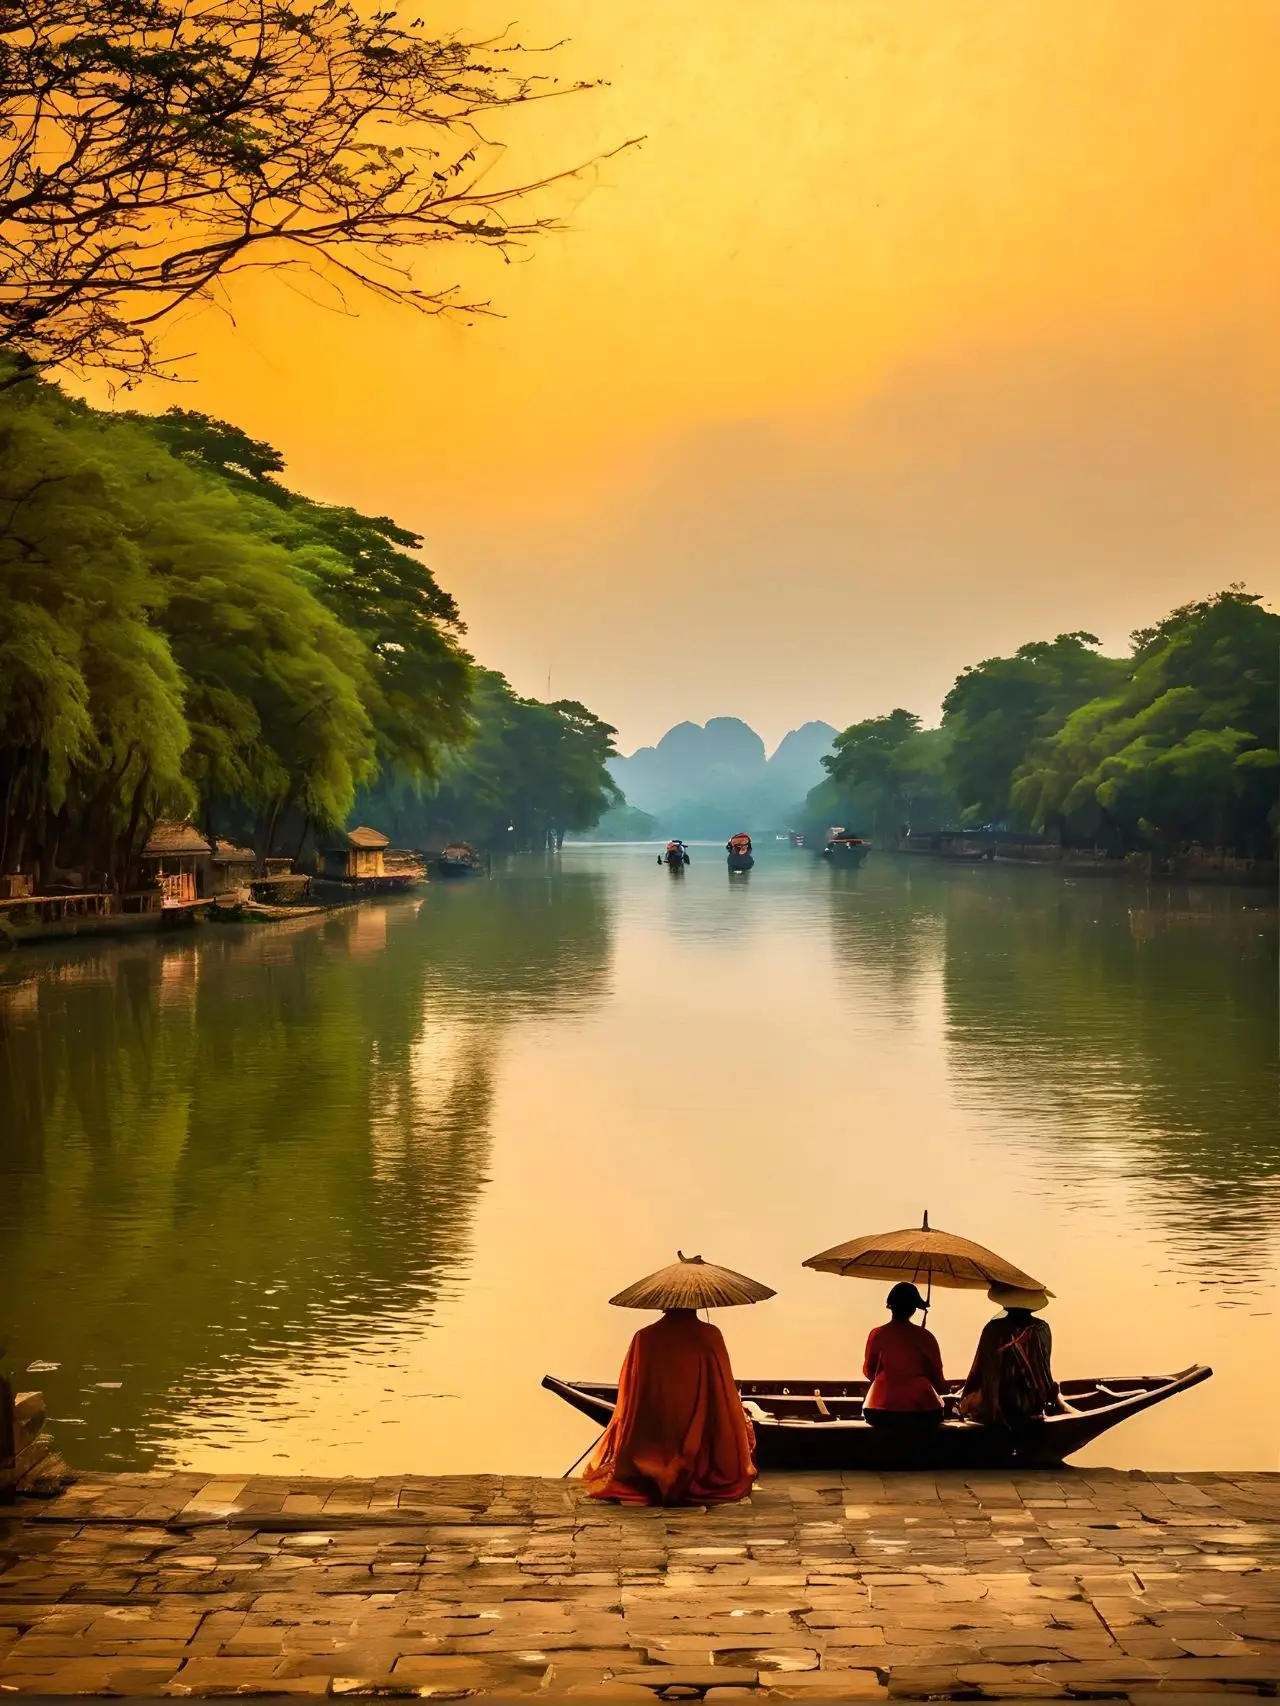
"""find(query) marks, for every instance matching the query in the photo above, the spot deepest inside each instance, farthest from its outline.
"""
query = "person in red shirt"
(904, 1365)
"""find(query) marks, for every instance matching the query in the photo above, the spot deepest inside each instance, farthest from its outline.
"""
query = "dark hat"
(905, 1296)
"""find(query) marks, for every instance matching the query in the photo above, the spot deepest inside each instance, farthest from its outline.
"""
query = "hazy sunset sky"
(915, 329)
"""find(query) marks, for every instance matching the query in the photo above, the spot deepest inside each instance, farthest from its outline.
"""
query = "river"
(331, 1196)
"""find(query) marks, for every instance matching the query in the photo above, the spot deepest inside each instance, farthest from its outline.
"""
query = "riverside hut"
(227, 869)
(355, 853)
(172, 858)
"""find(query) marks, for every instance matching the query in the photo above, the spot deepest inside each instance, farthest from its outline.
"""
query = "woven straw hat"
(922, 1254)
(691, 1283)
(1019, 1297)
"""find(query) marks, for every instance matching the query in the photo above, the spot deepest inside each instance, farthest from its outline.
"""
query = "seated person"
(679, 1434)
(904, 1365)
(1011, 1380)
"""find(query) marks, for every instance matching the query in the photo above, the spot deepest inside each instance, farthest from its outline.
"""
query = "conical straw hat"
(692, 1283)
(925, 1255)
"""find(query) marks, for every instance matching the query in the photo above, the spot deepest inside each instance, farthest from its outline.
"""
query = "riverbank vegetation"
(1172, 746)
(180, 633)
(530, 773)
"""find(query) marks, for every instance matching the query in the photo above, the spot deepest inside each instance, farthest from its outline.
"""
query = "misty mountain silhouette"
(715, 778)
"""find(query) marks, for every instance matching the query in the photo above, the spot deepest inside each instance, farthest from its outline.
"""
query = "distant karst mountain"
(712, 779)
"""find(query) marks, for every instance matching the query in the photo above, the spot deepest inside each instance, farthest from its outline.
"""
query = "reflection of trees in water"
(1139, 1027)
(530, 941)
(886, 933)
(260, 1143)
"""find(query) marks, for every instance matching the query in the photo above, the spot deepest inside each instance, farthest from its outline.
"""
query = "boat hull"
(787, 1438)
(740, 861)
(845, 855)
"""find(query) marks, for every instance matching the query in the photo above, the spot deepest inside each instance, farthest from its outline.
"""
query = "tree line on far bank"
(181, 634)
(1174, 745)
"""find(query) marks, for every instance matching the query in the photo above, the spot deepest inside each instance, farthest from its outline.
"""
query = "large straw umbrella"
(923, 1253)
(691, 1283)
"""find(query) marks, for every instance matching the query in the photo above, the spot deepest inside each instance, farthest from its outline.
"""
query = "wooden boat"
(458, 860)
(738, 852)
(675, 856)
(817, 1424)
(338, 891)
(844, 849)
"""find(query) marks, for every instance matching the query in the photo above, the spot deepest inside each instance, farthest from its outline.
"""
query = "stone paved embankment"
(1093, 1584)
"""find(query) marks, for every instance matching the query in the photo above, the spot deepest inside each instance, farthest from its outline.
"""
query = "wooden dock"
(1077, 1584)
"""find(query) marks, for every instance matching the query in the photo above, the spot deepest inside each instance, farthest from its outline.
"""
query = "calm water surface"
(331, 1196)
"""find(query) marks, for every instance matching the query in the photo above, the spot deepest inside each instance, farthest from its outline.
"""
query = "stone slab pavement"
(1078, 1584)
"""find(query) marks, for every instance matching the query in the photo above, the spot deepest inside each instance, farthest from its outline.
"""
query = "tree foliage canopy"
(531, 773)
(997, 708)
(181, 632)
(1179, 743)
(1185, 749)
(151, 148)
(884, 771)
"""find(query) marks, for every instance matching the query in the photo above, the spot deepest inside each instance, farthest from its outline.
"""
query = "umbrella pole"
(577, 1460)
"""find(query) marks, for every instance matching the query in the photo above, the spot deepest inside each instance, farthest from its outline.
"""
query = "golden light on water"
(431, 1153)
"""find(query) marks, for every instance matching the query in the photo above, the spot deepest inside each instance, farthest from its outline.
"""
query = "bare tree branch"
(151, 148)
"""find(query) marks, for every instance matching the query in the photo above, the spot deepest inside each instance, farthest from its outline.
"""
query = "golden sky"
(914, 329)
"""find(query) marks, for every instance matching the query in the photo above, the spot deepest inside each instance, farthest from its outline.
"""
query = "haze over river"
(331, 1196)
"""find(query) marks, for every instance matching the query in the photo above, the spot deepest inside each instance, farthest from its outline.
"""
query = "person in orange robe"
(679, 1434)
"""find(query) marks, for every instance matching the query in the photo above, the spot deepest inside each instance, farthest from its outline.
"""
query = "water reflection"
(887, 932)
(304, 1192)
(258, 1144)
(1131, 1030)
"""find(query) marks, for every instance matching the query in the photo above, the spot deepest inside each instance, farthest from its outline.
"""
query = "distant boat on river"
(738, 852)
(458, 859)
(845, 849)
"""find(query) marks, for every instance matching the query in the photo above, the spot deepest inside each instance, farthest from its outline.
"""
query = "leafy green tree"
(178, 629)
(863, 756)
(997, 709)
(529, 774)
(279, 688)
(1186, 749)
(160, 646)
(92, 731)
(417, 679)
(883, 772)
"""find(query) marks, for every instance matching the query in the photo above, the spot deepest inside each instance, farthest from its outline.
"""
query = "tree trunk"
(260, 843)
(277, 812)
(122, 877)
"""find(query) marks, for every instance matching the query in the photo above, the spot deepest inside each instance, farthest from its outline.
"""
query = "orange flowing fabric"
(679, 1434)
